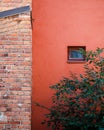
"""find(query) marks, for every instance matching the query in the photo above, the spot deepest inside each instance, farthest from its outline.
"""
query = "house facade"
(15, 65)
(59, 29)
(39, 49)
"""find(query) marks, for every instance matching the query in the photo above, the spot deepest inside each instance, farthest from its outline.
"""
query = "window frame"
(70, 59)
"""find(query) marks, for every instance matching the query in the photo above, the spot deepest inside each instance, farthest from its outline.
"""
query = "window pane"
(76, 54)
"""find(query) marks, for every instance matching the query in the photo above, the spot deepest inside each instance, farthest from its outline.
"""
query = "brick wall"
(15, 68)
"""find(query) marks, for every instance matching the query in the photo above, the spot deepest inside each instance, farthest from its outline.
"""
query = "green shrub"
(78, 102)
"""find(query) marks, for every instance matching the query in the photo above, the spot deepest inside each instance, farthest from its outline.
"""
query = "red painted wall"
(58, 24)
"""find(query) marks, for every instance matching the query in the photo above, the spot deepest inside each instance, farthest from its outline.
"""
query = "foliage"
(78, 102)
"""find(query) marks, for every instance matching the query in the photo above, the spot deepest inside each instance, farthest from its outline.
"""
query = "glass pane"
(76, 54)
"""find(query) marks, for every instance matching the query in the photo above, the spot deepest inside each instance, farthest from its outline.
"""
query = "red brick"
(15, 67)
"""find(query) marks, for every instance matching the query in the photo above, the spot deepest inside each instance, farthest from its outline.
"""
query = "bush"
(78, 102)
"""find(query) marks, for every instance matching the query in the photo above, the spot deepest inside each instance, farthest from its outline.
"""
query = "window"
(74, 54)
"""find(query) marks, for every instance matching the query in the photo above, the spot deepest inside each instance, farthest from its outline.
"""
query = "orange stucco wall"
(58, 24)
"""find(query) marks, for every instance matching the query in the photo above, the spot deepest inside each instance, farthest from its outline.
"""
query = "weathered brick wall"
(15, 68)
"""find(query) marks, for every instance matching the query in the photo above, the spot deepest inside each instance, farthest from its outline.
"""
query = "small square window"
(74, 53)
